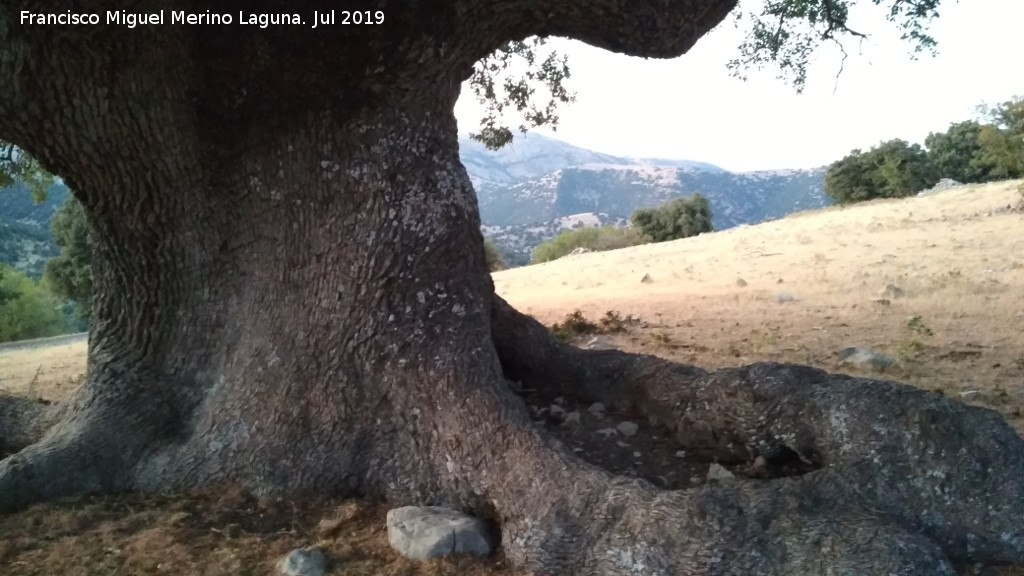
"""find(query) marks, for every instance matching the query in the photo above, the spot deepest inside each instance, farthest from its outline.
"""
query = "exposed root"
(22, 422)
(913, 460)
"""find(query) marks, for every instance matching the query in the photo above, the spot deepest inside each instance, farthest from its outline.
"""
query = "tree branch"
(647, 28)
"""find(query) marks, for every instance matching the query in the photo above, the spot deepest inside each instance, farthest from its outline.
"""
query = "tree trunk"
(295, 299)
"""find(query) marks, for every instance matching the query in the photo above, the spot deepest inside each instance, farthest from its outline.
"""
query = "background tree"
(679, 218)
(291, 295)
(951, 152)
(593, 239)
(1000, 154)
(70, 273)
(893, 169)
(26, 309)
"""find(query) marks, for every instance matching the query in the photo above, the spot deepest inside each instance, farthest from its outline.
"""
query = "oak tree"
(290, 294)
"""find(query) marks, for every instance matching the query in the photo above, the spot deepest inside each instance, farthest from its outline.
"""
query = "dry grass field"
(811, 285)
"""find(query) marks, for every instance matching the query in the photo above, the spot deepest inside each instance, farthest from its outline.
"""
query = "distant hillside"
(25, 240)
(526, 192)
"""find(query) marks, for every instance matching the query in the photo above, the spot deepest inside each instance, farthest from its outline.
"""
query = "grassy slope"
(959, 260)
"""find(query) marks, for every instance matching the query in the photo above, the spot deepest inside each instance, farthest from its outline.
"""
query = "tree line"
(971, 151)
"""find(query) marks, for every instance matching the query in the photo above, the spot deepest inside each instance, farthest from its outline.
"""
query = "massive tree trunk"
(291, 295)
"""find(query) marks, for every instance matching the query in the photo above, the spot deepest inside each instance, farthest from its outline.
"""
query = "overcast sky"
(690, 108)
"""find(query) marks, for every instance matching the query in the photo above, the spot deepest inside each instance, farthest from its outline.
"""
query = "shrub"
(593, 239)
(679, 218)
(28, 309)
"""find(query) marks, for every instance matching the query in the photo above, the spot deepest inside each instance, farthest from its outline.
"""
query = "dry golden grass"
(962, 271)
(49, 373)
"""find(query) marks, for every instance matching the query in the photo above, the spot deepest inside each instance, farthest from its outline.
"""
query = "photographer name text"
(176, 17)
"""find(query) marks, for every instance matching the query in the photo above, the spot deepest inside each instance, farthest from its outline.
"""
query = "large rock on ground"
(422, 532)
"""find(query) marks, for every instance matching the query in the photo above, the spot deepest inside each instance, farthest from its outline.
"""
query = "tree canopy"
(892, 169)
(679, 218)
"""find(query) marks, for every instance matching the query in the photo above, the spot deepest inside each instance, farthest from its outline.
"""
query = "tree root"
(911, 461)
(23, 422)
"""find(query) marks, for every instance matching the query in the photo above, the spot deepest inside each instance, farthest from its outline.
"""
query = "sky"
(691, 108)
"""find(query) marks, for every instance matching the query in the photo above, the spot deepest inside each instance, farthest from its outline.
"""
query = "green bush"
(679, 218)
(893, 169)
(495, 261)
(28, 310)
(593, 239)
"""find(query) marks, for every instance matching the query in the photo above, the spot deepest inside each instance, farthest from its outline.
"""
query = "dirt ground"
(812, 284)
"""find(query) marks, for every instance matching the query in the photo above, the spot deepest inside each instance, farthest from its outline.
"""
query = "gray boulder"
(423, 532)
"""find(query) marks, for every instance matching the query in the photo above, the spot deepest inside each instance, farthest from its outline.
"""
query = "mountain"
(538, 186)
(529, 192)
(25, 239)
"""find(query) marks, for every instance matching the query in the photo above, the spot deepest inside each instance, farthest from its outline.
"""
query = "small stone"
(556, 410)
(780, 281)
(596, 409)
(424, 532)
(636, 454)
(784, 297)
(627, 428)
(680, 453)
(606, 432)
(572, 417)
(304, 562)
(560, 400)
(718, 472)
(646, 279)
(970, 394)
(891, 291)
(881, 301)
(865, 358)
(741, 282)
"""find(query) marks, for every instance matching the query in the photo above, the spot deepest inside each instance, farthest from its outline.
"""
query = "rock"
(784, 297)
(627, 428)
(646, 279)
(556, 411)
(943, 184)
(304, 562)
(572, 417)
(741, 282)
(891, 291)
(680, 453)
(424, 532)
(597, 409)
(598, 343)
(970, 394)
(881, 301)
(636, 454)
(780, 281)
(718, 473)
(865, 358)
(607, 432)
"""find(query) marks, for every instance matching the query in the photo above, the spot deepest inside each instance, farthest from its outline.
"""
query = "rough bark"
(292, 296)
